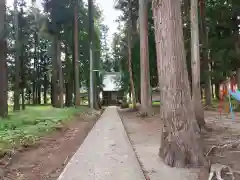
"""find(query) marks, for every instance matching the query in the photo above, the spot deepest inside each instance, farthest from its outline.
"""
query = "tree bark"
(52, 92)
(130, 55)
(76, 59)
(70, 78)
(23, 99)
(45, 89)
(54, 73)
(22, 82)
(38, 78)
(204, 38)
(33, 91)
(92, 90)
(195, 62)
(217, 86)
(17, 75)
(60, 76)
(144, 57)
(3, 78)
(35, 65)
(39, 93)
(57, 74)
(181, 144)
(212, 90)
(3, 64)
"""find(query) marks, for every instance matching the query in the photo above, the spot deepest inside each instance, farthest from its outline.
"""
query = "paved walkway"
(106, 153)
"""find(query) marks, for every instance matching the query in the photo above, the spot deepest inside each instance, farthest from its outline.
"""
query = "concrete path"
(106, 153)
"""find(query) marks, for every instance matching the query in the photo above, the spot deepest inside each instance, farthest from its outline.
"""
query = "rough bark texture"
(180, 144)
(17, 75)
(195, 63)
(144, 57)
(3, 64)
(76, 59)
(130, 55)
(204, 38)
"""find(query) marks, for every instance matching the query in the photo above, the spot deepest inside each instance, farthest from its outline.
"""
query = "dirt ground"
(145, 137)
(223, 143)
(47, 158)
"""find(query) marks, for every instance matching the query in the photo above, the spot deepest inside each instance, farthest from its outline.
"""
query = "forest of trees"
(45, 52)
(195, 49)
(184, 47)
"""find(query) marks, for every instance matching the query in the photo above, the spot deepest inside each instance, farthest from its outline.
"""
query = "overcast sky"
(110, 14)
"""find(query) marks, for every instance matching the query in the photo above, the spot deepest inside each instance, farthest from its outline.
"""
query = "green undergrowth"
(23, 128)
(154, 103)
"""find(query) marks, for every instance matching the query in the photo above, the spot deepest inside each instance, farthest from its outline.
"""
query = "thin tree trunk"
(91, 55)
(187, 35)
(23, 99)
(17, 75)
(54, 73)
(138, 95)
(60, 76)
(130, 55)
(185, 14)
(204, 39)
(38, 81)
(180, 143)
(39, 93)
(70, 78)
(130, 94)
(68, 99)
(195, 62)
(22, 83)
(45, 89)
(72, 68)
(52, 92)
(212, 90)
(76, 59)
(29, 96)
(3, 64)
(144, 57)
(93, 79)
(35, 65)
(33, 91)
(217, 86)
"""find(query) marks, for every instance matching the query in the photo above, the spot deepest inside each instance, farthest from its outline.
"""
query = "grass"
(154, 103)
(25, 127)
